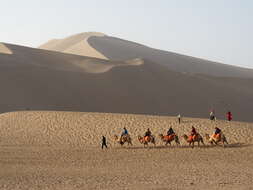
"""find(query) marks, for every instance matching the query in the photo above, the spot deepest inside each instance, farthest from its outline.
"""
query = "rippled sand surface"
(61, 150)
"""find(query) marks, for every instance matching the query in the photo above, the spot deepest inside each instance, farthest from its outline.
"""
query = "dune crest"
(4, 49)
(76, 44)
(92, 66)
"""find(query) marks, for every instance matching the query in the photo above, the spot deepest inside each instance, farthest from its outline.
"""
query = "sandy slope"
(76, 44)
(119, 49)
(99, 45)
(4, 49)
(37, 79)
(60, 150)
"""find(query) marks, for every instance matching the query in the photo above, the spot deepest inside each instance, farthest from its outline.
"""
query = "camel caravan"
(171, 137)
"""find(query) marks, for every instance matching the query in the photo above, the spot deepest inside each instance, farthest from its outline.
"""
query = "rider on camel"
(147, 133)
(170, 131)
(217, 132)
(193, 133)
(125, 132)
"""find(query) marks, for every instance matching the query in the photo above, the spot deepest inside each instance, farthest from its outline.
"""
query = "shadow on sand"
(233, 145)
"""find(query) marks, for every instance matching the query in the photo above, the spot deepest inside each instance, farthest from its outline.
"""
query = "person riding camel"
(125, 132)
(193, 134)
(217, 133)
(147, 134)
(170, 132)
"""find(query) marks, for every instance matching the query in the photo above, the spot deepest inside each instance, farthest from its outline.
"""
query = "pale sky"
(217, 30)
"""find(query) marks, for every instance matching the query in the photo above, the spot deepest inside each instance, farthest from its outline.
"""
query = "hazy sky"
(218, 30)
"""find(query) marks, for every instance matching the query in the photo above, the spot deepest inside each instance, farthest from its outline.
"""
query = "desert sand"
(61, 150)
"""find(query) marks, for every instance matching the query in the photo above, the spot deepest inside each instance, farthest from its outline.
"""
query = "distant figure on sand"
(229, 116)
(212, 116)
(179, 118)
(104, 142)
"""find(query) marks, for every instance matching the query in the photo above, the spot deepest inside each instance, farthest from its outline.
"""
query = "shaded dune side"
(76, 44)
(45, 80)
(118, 49)
(86, 129)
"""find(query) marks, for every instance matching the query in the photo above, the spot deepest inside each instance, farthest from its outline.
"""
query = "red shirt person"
(229, 116)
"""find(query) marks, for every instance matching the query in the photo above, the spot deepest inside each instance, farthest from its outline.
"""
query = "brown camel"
(196, 138)
(124, 139)
(214, 140)
(146, 140)
(169, 138)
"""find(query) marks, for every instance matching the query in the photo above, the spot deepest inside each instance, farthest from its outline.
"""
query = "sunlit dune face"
(4, 49)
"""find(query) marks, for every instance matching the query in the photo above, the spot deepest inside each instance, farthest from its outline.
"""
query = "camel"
(213, 140)
(169, 138)
(124, 139)
(197, 138)
(146, 140)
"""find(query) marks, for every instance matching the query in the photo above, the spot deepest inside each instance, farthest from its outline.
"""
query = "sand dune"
(76, 44)
(107, 47)
(37, 79)
(118, 49)
(4, 49)
(61, 150)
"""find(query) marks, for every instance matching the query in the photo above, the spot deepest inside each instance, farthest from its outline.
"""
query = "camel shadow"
(206, 146)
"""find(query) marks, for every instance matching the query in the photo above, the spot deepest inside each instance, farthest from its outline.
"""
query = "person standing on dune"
(229, 115)
(179, 118)
(212, 115)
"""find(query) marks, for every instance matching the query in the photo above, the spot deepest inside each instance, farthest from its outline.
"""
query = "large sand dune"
(61, 150)
(45, 80)
(119, 49)
(76, 44)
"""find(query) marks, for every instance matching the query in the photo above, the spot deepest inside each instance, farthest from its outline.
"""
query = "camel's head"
(160, 135)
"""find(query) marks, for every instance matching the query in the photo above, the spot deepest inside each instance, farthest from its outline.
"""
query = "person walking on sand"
(179, 118)
(104, 142)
